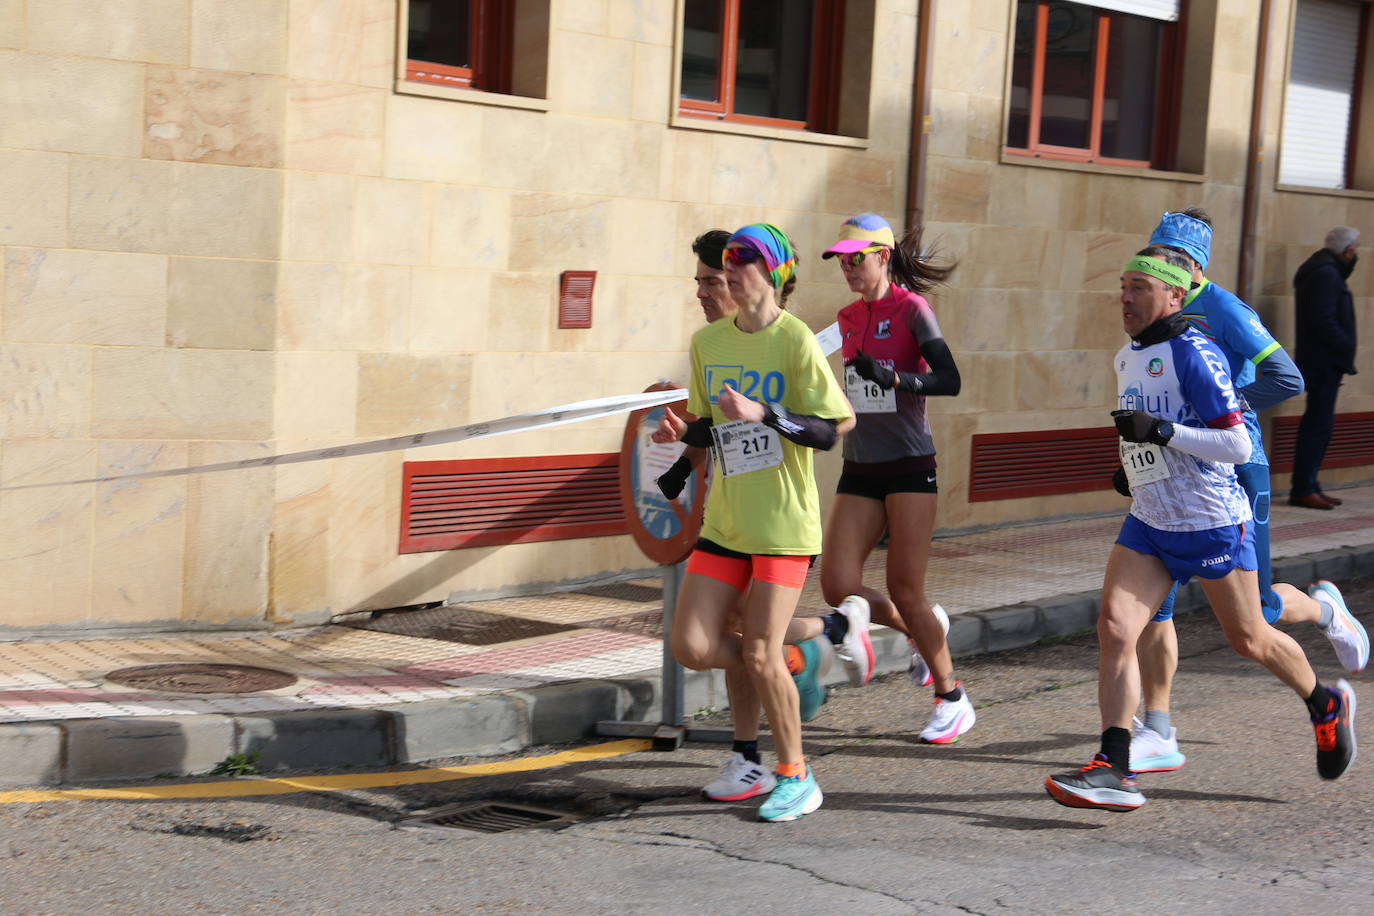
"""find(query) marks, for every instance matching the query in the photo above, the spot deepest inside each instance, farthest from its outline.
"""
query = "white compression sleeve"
(1229, 446)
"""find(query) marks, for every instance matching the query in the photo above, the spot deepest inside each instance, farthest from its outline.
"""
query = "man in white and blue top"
(1263, 375)
(1182, 431)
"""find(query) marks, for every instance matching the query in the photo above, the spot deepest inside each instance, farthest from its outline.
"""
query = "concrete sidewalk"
(495, 676)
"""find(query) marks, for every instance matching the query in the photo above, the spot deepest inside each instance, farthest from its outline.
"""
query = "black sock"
(749, 749)
(953, 695)
(1322, 704)
(1116, 747)
(835, 626)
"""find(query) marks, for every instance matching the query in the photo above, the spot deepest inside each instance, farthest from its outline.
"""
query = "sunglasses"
(740, 256)
(854, 259)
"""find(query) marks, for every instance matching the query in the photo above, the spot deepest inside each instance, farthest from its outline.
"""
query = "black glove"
(1120, 482)
(1138, 426)
(675, 478)
(870, 369)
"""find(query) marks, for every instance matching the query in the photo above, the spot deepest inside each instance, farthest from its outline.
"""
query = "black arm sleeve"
(803, 429)
(698, 433)
(943, 377)
(673, 480)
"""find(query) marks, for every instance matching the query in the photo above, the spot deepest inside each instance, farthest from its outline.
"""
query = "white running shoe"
(1346, 633)
(1152, 752)
(919, 672)
(739, 779)
(949, 720)
(856, 649)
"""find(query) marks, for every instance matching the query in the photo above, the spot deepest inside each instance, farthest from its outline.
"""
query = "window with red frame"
(460, 43)
(768, 62)
(1093, 84)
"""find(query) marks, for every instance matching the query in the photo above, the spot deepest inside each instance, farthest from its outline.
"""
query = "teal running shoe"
(816, 653)
(791, 798)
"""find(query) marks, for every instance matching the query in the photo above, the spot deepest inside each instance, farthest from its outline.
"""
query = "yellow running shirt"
(774, 510)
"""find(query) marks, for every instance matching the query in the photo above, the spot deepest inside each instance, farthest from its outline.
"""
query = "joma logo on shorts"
(1216, 561)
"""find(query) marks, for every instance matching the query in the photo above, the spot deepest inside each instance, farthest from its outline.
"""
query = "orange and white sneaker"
(919, 671)
(950, 719)
(739, 779)
(856, 649)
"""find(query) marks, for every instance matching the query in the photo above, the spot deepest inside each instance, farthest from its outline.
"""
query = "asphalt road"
(1245, 827)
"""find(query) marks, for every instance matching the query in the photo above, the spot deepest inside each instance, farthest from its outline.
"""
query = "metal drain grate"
(458, 624)
(645, 623)
(623, 591)
(491, 817)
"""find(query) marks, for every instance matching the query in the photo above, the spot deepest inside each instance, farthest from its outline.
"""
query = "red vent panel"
(1352, 442)
(1043, 463)
(575, 298)
(488, 501)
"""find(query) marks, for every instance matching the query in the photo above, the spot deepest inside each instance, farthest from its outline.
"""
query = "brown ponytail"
(915, 270)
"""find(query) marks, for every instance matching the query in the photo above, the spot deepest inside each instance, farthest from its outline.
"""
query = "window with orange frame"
(464, 44)
(1091, 84)
(774, 63)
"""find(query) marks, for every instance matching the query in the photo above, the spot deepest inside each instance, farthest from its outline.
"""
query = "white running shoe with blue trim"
(1152, 752)
(1347, 635)
(793, 797)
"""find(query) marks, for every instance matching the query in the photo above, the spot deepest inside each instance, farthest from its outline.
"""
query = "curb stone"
(91, 750)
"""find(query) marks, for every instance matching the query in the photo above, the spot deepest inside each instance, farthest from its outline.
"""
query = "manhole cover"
(459, 624)
(491, 817)
(623, 591)
(202, 678)
(645, 623)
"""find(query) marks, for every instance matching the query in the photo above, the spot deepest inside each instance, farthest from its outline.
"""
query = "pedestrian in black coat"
(1325, 352)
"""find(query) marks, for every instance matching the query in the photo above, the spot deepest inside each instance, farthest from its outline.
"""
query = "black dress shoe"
(1310, 501)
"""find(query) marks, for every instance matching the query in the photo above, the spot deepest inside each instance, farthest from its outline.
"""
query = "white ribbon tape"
(538, 419)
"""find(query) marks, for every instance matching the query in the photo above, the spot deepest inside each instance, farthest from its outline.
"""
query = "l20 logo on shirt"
(767, 387)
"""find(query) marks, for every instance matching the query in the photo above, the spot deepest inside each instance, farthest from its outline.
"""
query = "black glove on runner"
(675, 478)
(1120, 482)
(1138, 426)
(872, 370)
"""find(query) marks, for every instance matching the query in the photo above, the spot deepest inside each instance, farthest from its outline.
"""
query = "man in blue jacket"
(1325, 352)
(1263, 376)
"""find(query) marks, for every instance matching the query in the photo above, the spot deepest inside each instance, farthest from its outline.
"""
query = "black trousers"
(1314, 431)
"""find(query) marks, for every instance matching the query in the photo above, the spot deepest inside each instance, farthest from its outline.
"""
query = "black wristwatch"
(1165, 431)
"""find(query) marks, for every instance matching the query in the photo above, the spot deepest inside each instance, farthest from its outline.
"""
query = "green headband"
(1171, 275)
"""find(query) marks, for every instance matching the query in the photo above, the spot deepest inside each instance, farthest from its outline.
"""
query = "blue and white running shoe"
(1152, 752)
(1347, 635)
(791, 798)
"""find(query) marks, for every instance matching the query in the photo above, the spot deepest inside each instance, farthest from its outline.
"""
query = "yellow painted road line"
(240, 788)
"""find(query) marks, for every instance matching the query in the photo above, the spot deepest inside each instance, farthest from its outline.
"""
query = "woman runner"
(895, 357)
(765, 397)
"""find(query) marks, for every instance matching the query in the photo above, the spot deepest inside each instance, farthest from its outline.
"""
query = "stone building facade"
(232, 228)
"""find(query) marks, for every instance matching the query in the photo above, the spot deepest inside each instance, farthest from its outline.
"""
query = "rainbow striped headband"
(770, 242)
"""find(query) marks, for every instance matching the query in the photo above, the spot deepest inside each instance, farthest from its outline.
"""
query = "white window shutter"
(1166, 10)
(1321, 83)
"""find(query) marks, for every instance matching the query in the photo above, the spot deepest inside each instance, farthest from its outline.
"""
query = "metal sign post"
(666, 530)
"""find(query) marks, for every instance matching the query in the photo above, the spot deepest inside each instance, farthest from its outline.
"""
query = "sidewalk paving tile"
(1011, 585)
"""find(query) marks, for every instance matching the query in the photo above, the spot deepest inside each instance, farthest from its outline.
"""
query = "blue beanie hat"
(1178, 230)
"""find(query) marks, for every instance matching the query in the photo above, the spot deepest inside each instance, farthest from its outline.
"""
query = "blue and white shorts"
(1210, 554)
